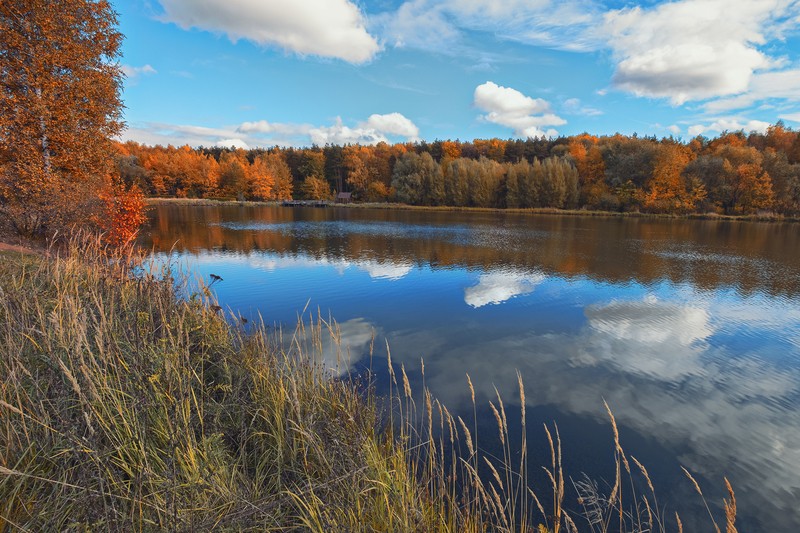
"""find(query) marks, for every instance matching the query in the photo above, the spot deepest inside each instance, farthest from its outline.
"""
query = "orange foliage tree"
(588, 159)
(667, 190)
(122, 214)
(270, 177)
(60, 105)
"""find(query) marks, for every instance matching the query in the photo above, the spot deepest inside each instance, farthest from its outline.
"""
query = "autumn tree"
(585, 153)
(456, 181)
(667, 190)
(735, 178)
(451, 150)
(358, 161)
(523, 184)
(785, 181)
(485, 180)
(60, 106)
(270, 177)
(234, 174)
(417, 179)
(493, 149)
(559, 183)
(314, 188)
(261, 179)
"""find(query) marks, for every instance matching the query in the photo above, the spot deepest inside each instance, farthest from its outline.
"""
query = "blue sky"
(255, 73)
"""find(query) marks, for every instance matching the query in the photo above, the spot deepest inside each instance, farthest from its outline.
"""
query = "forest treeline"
(733, 174)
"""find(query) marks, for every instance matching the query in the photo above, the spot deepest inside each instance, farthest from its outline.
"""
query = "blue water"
(690, 330)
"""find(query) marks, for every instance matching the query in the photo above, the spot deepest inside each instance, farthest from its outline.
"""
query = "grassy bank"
(762, 217)
(126, 407)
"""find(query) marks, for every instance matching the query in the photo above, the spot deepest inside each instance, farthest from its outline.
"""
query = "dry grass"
(124, 407)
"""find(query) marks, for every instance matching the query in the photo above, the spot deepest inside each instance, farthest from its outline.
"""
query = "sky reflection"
(698, 356)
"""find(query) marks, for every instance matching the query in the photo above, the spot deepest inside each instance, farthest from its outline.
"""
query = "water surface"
(689, 329)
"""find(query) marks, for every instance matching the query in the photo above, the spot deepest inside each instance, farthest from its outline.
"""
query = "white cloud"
(132, 72)
(783, 84)
(682, 50)
(649, 337)
(439, 25)
(793, 117)
(674, 129)
(670, 383)
(498, 287)
(336, 348)
(153, 133)
(327, 28)
(273, 129)
(374, 130)
(393, 124)
(728, 124)
(508, 107)
(692, 49)
(418, 24)
(262, 133)
(381, 270)
(385, 270)
(232, 143)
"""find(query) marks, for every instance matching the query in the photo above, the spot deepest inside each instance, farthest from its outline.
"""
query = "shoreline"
(514, 211)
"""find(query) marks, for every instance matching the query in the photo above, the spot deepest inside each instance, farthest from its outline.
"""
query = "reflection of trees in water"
(708, 254)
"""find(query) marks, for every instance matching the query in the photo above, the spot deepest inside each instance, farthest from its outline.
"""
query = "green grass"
(126, 407)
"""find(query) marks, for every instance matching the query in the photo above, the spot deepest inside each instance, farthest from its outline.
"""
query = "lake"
(689, 329)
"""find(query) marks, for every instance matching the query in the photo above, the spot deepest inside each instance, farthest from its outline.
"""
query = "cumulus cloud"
(498, 287)
(691, 49)
(275, 130)
(683, 50)
(376, 129)
(510, 108)
(232, 143)
(263, 133)
(393, 124)
(728, 124)
(132, 72)
(326, 28)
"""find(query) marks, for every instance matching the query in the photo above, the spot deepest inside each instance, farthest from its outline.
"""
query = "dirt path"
(5, 247)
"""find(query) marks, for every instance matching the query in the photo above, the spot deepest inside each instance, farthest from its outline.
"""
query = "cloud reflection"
(339, 346)
(385, 270)
(657, 365)
(660, 340)
(499, 286)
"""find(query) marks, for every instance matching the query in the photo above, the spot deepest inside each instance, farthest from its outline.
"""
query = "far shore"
(760, 217)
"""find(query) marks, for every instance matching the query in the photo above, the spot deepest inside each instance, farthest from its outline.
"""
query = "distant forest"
(733, 174)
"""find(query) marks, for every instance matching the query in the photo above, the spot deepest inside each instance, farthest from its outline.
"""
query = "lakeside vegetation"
(734, 174)
(130, 404)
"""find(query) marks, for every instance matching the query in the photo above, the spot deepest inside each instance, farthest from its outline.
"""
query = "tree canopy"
(60, 106)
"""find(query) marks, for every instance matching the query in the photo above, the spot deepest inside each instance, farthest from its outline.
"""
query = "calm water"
(690, 330)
